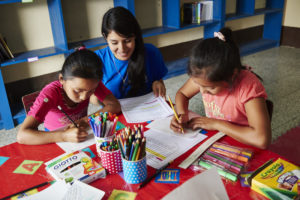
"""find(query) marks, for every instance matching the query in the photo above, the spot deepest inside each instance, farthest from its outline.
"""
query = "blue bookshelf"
(11, 115)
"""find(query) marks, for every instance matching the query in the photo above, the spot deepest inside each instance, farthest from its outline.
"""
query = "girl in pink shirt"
(234, 98)
(79, 78)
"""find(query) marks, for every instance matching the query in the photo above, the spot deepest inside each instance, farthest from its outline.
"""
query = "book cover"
(280, 180)
(75, 166)
(5, 47)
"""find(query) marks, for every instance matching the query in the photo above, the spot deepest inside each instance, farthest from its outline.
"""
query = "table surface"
(11, 183)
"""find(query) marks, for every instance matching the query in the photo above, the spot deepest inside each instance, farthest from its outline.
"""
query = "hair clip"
(220, 36)
(82, 47)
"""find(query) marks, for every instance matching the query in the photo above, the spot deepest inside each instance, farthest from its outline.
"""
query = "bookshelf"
(11, 115)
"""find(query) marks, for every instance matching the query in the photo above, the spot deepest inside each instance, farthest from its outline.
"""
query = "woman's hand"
(73, 134)
(203, 122)
(159, 88)
(179, 125)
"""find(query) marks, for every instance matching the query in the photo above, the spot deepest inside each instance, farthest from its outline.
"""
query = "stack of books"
(229, 160)
(194, 13)
(5, 53)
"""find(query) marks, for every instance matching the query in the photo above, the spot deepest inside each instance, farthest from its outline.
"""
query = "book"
(279, 180)
(75, 166)
(5, 49)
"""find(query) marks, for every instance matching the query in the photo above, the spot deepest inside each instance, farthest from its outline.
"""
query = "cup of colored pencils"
(110, 155)
(103, 126)
(132, 144)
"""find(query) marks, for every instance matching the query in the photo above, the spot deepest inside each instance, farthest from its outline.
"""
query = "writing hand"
(73, 134)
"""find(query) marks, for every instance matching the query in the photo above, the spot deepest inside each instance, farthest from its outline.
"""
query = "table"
(11, 182)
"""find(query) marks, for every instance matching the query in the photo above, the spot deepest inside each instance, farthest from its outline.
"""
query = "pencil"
(155, 174)
(60, 108)
(175, 113)
(26, 190)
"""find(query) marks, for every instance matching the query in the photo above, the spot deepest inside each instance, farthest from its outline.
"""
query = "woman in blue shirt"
(131, 68)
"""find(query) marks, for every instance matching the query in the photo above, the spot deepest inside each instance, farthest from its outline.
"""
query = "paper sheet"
(207, 185)
(145, 108)
(163, 125)
(162, 148)
(71, 146)
(61, 191)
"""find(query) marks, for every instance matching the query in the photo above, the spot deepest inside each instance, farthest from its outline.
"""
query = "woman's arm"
(257, 134)
(111, 104)
(29, 134)
(159, 88)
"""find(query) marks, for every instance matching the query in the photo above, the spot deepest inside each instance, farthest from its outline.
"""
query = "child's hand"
(202, 122)
(74, 134)
(159, 88)
(178, 125)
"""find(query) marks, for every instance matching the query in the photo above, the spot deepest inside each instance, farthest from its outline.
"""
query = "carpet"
(288, 145)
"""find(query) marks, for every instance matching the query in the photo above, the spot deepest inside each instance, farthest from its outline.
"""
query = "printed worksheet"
(145, 108)
(162, 148)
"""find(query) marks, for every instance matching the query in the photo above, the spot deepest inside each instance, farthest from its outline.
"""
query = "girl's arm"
(183, 95)
(29, 134)
(257, 134)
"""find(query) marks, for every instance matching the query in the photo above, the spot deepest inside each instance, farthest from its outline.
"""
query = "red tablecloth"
(11, 182)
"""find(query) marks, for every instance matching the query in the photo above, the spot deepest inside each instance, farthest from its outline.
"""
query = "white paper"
(162, 148)
(80, 191)
(163, 125)
(62, 191)
(71, 146)
(145, 108)
(207, 185)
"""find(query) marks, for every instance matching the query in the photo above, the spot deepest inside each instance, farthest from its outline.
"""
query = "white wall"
(27, 27)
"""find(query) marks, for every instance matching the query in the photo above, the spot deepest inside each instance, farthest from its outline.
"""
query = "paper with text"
(145, 108)
(162, 148)
(163, 125)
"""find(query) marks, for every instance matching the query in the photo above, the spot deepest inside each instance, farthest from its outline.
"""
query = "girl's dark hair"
(215, 59)
(82, 64)
(123, 22)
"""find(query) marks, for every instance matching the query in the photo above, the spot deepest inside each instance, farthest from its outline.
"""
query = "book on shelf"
(195, 12)
(76, 165)
(277, 180)
(5, 52)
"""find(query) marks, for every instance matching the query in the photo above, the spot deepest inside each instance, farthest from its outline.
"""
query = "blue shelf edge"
(257, 45)
(261, 11)
(10, 1)
(38, 53)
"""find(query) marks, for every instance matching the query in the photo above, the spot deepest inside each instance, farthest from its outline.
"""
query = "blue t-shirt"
(114, 70)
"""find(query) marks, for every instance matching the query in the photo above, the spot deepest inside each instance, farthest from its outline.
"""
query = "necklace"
(123, 79)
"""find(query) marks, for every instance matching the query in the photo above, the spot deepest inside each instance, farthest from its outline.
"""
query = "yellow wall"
(291, 14)
(27, 27)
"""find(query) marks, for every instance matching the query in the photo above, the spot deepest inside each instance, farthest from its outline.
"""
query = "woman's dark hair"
(215, 59)
(123, 22)
(82, 64)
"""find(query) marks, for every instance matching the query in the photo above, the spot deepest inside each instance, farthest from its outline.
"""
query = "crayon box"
(280, 180)
(76, 165)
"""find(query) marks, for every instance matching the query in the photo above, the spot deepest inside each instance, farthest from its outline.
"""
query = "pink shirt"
(44, 109)
(229, 104)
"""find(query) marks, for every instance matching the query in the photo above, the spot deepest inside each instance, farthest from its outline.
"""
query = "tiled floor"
(280, 69)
